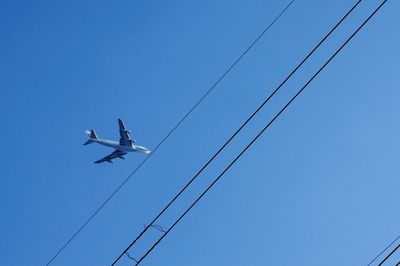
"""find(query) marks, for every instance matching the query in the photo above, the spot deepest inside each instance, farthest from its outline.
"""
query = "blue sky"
(319, 188)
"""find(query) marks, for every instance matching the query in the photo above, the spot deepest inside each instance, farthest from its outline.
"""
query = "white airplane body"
(125, 144)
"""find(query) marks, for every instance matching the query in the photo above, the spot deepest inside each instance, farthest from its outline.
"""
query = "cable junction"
(171, 131)
(239, 129)
(155, 226)
(131, 258)
(261, 132)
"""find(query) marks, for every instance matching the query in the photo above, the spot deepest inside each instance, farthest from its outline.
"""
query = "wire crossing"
(384, 250)
(261, 132)
(240, 128)
(172, 130)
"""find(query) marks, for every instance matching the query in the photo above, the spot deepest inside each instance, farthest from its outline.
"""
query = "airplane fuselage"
(115, 145)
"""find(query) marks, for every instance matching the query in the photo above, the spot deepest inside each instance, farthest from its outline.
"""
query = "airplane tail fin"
(92, 135)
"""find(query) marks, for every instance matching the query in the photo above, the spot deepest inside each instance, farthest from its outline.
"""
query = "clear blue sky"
(320, 188)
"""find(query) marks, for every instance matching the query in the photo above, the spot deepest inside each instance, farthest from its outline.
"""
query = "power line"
(384, 250)
(172, 130)
(261, 132)
(132, 243)
(238, 130)
(388, 256)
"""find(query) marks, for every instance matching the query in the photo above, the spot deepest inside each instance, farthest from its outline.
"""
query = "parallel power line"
(172, 130)
(387, 257)
(383, 251)
(240, 128)
(261, 132)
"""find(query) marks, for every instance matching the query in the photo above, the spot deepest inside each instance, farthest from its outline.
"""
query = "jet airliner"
(125, 144)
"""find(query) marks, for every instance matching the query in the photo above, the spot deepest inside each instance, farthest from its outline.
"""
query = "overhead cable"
(384, 250)
(171, 131)
(134, 241)
(385, 259)
(260, 133)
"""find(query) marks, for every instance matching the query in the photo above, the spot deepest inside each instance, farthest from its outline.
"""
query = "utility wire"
(237, 131)
(262, 131)
(172, 130)
(385, 259)
(384, 250)
(240, 128)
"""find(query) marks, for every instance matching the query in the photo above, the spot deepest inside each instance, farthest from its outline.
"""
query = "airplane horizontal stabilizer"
(89, 141)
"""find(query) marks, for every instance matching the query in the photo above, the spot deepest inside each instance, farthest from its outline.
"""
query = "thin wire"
(130, 257)
(240, 128)
(172, 130)
(261, 132)
(388, 256)
(384, 250)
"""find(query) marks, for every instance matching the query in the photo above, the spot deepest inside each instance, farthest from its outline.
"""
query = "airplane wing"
(125, 139)
(110, 157)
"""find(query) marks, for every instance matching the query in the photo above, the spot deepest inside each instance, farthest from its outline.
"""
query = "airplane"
(125, 144)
